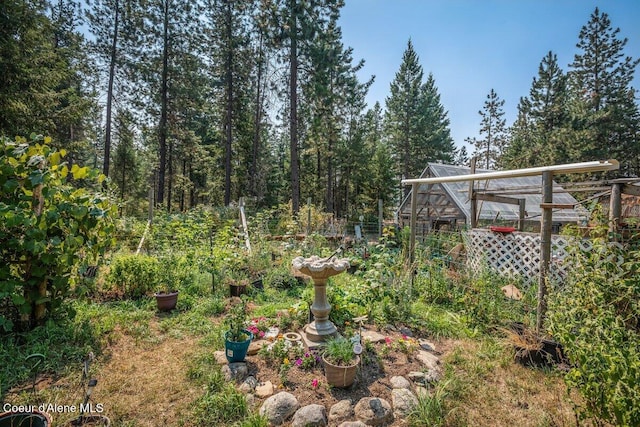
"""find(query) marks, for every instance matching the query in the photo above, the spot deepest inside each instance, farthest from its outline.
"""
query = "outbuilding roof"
(450, 201)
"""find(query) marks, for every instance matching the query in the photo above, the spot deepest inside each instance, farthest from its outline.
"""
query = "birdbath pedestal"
(320, 269)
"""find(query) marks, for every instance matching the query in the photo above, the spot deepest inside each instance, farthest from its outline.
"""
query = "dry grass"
(146, 385)
(490, 389)
(143, 382)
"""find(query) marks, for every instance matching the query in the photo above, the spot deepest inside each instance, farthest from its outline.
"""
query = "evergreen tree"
(438, 144)
(109, 24)
(493, 127)
(462, 157)
(541, 134)
(605, 105)
(416, 124)
(334, 102)
(381, 183)
(232, 68)
(402, 118)
(125, 160)
(44, 71)
(168, 35)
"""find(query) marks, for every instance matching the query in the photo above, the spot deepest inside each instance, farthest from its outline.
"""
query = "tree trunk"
(164, 105)
(229, 112)
(330, 204)
(253, 169)
(112, 70)
(170, 180)
(182, 192)
(293, 106)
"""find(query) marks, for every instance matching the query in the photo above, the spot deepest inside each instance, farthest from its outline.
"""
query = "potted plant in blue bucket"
(237, 338)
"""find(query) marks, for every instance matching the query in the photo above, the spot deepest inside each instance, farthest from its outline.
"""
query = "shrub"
(597, 319)
(133, 276)
(51, 221)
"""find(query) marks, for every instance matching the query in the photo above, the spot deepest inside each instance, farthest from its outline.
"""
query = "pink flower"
(298, 362)
(387, 340)
(314, 383)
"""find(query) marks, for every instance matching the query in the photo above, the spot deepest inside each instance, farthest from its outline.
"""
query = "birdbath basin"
(320, 269)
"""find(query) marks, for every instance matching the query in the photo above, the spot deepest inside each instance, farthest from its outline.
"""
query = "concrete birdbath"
(320, 269)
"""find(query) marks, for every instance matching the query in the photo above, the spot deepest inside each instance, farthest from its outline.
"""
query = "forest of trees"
(208, 101)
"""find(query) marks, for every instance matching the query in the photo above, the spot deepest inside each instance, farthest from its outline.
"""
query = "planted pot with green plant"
(340, 362)
(173, 273)
(237, 338)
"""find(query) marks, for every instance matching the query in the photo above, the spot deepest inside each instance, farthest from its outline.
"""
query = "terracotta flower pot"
(340, 376)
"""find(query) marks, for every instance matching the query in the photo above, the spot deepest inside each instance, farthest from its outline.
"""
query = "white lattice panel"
(516, 254)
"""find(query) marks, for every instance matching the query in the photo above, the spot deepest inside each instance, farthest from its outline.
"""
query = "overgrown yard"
(163, 368)
(153, 371)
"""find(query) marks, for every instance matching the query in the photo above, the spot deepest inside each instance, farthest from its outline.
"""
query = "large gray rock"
(426, 345)
(313, 415)
(373, 411)
(279, 407)
(237, 371)
(400, 382)
(428, 360)
(248, 385)
(341, 411)
(425, 378)
(372, 336)
(403, 402)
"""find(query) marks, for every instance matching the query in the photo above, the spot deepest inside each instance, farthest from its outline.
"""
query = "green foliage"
(236, 322)
(60, 342)
(221, 407)
(133, 276)
(431, 407)
(339, 352)
(596, 316)
(416, 123)
(494, 128)
(49, 227)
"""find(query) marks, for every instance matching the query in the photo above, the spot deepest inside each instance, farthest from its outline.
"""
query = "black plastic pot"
(25, 419)
(237, 290)
(258, 284)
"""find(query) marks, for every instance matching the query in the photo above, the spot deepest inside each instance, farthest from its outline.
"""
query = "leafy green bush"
(133, 276)
(51, 221)
(597, 319)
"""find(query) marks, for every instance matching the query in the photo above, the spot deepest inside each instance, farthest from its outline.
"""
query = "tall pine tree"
(493, 131)
(416, 123)
(601, 77)
(542, 133)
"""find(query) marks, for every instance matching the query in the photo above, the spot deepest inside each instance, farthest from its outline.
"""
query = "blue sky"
(472, 46)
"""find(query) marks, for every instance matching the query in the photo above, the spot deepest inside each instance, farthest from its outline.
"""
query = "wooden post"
(473, 211)
(380, 217)
(545, 248)
(243, 219)
(615, 208)
(521, 214)
(412, 224)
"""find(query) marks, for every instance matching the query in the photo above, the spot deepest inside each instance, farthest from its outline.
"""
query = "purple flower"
(298, 362)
